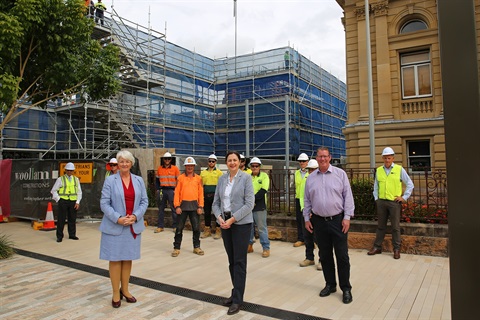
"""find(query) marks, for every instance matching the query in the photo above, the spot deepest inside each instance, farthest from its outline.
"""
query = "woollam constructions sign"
(27, 185)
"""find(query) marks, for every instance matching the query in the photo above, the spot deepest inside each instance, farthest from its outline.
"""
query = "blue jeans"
(260, 218)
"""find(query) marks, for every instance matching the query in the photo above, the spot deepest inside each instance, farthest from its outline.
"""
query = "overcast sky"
(313, 27)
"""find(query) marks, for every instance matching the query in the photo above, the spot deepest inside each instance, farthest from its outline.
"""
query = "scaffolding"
(273, 104)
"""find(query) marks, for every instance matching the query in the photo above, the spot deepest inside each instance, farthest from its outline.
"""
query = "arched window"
(413, 25)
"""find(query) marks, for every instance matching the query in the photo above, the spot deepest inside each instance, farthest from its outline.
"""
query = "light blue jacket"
(242, 197)
(113, 207)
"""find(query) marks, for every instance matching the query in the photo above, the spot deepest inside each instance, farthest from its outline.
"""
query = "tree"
(46, 52)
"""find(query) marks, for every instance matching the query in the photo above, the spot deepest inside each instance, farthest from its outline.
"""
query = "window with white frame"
(416, 75)
(419, 156)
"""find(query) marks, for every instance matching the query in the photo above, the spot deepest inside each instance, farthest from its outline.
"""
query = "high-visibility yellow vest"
(298, 183)
(389, 187)
(68, 190)
(262, 181)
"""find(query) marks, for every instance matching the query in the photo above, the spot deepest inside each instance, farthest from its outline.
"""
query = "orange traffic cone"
(49, 223)
(2, 219)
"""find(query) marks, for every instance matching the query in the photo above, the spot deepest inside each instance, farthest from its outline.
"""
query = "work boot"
(175, 252)
(218, 234)
(158, 230)
(298, 244)
(266, 253)
(250, 248)
(206, 233)
(198, 251)
(306, 263)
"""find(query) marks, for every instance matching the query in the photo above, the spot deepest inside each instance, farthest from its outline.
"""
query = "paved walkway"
(50, 280)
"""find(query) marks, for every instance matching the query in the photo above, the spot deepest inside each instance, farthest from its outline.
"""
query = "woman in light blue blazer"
(232, 206)
(124, 202)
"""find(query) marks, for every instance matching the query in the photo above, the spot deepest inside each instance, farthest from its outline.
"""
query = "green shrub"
(362, 190)
(6, 247)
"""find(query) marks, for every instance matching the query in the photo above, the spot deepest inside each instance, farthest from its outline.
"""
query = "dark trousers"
(207, 208)
(99, 16)
(195, 221)
(309, 242)
(329, 236)
(66, 210)
(235, 241)
(387, 209)
(167, 197)
(300, 221)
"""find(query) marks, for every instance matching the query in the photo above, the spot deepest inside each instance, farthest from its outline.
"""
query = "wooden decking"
(414, 287)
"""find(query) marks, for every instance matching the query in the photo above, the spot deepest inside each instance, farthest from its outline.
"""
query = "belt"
(168, 188)
(329, 218)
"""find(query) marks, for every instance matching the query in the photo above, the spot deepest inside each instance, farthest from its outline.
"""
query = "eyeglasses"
(167, 159)
(323, 157)
(113, 164)
(254, 166)
(212, 161)
(302, 160)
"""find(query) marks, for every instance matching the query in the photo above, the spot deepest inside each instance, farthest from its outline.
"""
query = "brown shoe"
(396, 254)
(306, 263)
(175, 252)
(198, 251)
(158, 230)
(266, 254)
(374, 251)
(218, 234)
(206, 233)
(298, 244)
(250, 248)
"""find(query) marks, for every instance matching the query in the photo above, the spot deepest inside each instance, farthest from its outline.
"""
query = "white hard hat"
(212, 156)
(302, 157)
(388, 151)
(189, 161)
(256, 160)
(167, 155)
(70, 166)
(312, 164)
(113, 160)
(242, 156)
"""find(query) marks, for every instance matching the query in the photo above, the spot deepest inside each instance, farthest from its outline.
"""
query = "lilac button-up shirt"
(328, 194)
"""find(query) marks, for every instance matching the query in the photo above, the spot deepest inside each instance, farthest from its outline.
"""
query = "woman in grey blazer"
(232, 206)
(124, 202)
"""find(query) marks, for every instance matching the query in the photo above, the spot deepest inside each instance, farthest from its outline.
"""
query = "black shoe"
(327, 290)
(59, 239)
(227, 302)
(73, 238)
(234, 308)
(347, 296)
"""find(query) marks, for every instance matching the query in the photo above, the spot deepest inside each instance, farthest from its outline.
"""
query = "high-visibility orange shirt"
(168, 176)
(188, 189)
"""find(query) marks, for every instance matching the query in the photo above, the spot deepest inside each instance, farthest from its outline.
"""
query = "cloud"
(311, 26)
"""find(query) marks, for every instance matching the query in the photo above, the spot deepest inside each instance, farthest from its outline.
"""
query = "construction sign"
(83, 171)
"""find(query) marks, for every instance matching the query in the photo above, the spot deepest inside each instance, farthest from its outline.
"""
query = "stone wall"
(417, 238)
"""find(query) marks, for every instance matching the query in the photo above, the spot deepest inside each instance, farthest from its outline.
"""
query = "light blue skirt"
(121, 247)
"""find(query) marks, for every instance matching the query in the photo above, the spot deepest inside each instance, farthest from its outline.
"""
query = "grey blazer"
(242, 197)
(113, 207)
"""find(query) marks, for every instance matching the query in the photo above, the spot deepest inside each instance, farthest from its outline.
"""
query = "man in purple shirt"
(329, 198)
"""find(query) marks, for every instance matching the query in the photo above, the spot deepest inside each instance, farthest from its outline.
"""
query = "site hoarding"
(30, 183)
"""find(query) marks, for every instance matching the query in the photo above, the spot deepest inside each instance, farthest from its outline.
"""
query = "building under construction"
(273, 104)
